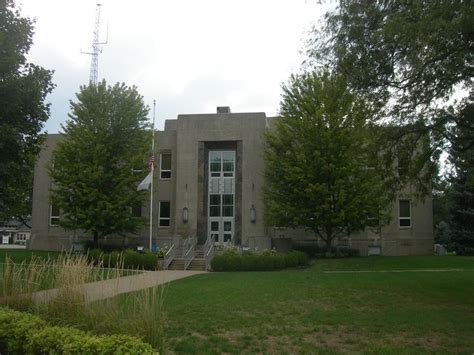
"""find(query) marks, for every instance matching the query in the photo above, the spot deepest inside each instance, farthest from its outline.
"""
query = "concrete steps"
(197, 264)
(176, 264)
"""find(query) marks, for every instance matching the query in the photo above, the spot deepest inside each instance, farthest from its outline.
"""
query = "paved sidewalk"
(100, 290)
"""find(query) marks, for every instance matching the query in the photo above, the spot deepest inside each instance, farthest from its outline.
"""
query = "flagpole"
(152, 173)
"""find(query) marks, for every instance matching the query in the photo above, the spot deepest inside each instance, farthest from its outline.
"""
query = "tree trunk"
(328, 239)
(96, 240)
(328, 244)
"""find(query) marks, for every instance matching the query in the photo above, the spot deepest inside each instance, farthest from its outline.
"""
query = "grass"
(47, 267)
(308, 311)
(395, 263)
(19, 255)
(68, 273)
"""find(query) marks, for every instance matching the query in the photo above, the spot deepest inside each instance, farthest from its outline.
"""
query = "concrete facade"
(192, 141)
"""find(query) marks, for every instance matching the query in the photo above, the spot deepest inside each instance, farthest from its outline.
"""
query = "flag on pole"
(151, 163)
(145, 184)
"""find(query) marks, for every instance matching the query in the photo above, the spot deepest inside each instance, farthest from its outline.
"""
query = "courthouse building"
(208, 183)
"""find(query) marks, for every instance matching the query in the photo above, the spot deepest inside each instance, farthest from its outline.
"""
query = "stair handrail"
(169, 256)
(208, 250)
(190, 251)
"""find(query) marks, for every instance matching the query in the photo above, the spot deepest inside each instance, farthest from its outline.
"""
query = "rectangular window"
(165, 166)
(165, 214)
(404, 212)
(54, 214)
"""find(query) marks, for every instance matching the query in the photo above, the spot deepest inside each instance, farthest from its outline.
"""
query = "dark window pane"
(215, 200)
(227, 226)
(164, 209)
(405, 222)
(54, 210)
(216, 237)
(164, 222)
(227, 199)
(227, 211)
(404, 208)
(54, 221)
(214, 211)
(166, 161)
(214, 226)
(216, 166)
(165, 175)
(227, 237)
(228, 166)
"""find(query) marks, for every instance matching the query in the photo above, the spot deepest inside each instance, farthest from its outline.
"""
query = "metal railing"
(208, 250)
(189, 250)
(169, 256)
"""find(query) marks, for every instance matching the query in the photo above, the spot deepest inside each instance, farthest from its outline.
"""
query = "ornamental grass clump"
(64, 300)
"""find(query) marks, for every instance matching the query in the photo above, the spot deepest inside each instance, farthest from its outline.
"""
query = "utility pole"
(96, 47)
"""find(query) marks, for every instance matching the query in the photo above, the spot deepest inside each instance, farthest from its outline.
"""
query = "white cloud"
(189, 55)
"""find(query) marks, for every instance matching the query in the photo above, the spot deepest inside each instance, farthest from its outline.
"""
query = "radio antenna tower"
(96, 47)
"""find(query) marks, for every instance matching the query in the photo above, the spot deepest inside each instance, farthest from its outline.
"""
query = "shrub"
(60, 340)
(267, 261)
(316, 251)
(94, 256)
(296, 258)
(130, 259)
(14, 328)
(149, 261)
(24, 333)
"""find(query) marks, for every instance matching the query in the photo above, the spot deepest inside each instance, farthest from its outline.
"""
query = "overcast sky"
(190, 56)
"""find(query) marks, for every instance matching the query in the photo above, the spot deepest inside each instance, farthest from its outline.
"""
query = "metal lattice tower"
(96, 48)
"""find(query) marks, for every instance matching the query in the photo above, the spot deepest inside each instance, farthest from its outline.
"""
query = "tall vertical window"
(165, 166)
(165, 214)
(404, 213)
(54, 214)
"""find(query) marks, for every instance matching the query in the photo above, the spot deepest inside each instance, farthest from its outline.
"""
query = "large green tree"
(406, 57)
(324, 170)
(403, 54)
(462, 179)
(104, 139)
(23, 111)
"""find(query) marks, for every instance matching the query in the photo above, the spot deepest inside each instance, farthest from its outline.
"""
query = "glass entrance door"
(221, 196)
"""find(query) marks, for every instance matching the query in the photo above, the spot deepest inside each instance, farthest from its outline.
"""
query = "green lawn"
(18, 255)
(48, 275)
(307, 311)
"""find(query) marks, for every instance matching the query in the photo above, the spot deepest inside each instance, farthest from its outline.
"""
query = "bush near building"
(129, 259)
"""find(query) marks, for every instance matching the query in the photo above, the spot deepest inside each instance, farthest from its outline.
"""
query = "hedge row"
(316, 251)
(129, 259)
(267, 261)
(23, 333)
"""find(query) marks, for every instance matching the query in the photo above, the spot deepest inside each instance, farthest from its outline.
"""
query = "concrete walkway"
(100, 290)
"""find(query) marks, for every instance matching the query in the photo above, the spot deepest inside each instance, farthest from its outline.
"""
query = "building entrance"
(221, 199)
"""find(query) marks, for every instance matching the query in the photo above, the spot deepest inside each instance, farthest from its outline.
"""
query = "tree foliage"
(462, 178)
(324, 170)
(406, 54)
(104, 139)
(23, 111)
